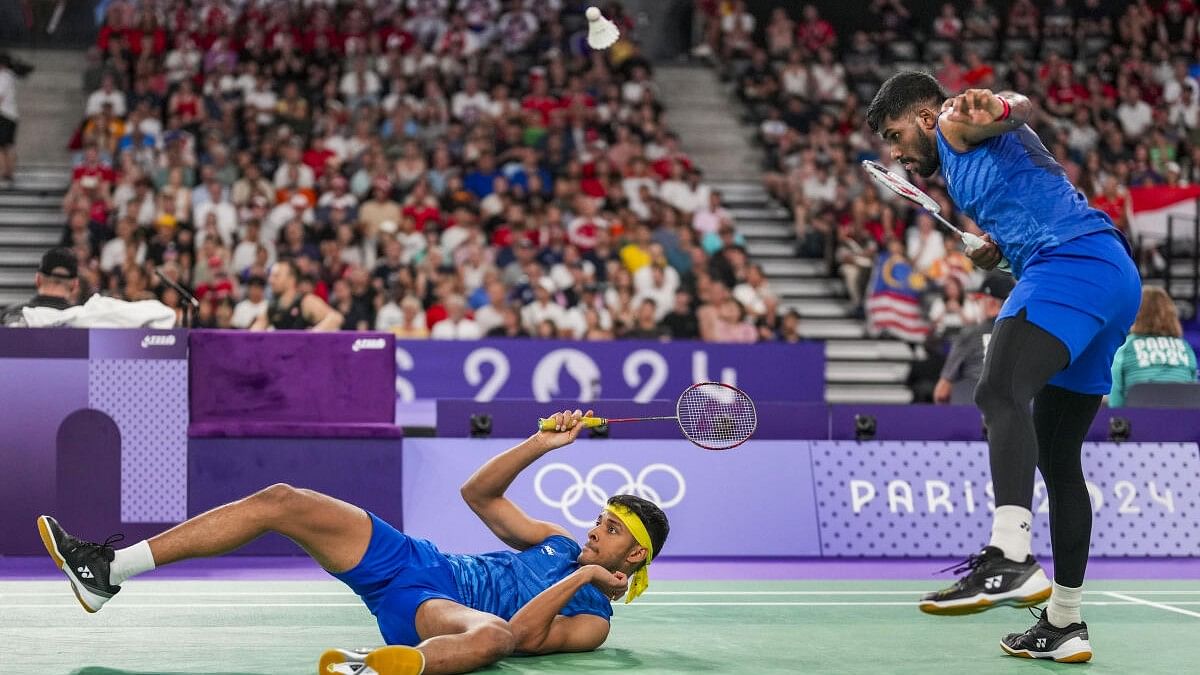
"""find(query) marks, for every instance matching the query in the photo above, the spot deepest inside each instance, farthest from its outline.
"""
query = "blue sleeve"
(589, 599)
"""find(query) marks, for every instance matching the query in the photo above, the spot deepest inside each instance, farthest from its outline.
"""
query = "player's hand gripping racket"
(713, 415)
(910, 192)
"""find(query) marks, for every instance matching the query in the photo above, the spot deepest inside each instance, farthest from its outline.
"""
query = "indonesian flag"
(894, 306)
(1152, 206)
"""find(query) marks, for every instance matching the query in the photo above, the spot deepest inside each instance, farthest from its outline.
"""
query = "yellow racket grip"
(547, 423)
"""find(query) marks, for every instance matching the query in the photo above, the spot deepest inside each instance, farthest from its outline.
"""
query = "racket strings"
(716, 416)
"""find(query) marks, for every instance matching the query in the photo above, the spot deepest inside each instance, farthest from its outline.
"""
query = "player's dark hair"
(900, 94)
(652, 517)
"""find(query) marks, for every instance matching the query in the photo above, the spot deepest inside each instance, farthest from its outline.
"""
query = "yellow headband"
(641, 578)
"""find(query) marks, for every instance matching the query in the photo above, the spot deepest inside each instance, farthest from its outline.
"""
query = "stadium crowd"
(427, 167)
(1116, 94)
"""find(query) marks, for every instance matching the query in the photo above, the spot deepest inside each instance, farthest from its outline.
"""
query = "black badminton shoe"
(1047, 641)
(85, 564)
(393, 660)
(989, 580)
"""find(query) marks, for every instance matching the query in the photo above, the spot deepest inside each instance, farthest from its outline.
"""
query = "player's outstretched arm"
(976, 115)
(538, 628)
(484, 490)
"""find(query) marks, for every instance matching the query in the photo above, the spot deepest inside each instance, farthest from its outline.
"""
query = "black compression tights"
(1021, 359)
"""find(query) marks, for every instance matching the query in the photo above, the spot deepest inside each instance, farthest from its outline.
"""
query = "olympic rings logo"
(586, 486)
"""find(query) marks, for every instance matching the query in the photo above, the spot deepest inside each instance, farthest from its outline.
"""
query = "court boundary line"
(1151, 603)
(349, 594)
(275, 605)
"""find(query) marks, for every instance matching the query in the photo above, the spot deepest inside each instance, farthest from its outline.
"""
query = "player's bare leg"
(332, 532)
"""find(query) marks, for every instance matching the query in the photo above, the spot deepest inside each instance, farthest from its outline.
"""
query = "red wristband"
(1007, 110)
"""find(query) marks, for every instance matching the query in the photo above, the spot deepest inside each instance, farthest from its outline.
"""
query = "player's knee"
(992, 394)
(280, 498)
(495, 639)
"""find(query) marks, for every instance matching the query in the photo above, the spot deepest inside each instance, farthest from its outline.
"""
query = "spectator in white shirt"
(221, 211)
(107, 93)
(253, 305)
(292, 173)
(688, 195)
(1134, 114)
(925, 244)
(246, 252)
(116, 251)
(471, 103)
(543, 308)
(638, 178)
(755, 292)
(711, 217)
(456, 325)
(491, 315)
(262, 100)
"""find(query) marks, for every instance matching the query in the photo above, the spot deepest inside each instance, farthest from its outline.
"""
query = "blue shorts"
(1085, 292)
(396, 575)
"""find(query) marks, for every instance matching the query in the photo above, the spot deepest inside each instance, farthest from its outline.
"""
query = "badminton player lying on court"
(1076, 296)
(439, 613)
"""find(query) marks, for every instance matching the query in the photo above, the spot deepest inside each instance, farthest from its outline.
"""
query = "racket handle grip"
(973, 242)
(547, 423)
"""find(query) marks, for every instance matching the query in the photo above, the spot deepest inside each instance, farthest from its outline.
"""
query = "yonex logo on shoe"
(993, 582)
(85, 572)
(1041, 643)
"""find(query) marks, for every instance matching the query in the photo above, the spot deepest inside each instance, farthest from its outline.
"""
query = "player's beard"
(927, 157)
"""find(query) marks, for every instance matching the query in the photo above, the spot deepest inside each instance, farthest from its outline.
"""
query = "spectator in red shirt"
(815, 33)
(1114, 200)
(539, 98)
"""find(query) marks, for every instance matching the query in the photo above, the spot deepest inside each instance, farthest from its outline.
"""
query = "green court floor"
(244, 627)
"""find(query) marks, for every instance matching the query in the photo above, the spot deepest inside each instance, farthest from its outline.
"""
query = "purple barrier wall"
(640, 371)
(514, 419)
(35, 395)
(964, 423)
(934, 499)
(291, 377)
(364, 472)
(752, 501)
(134, 379)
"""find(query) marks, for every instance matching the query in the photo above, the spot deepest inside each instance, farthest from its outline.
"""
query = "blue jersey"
(1012, 187)
(501, 583)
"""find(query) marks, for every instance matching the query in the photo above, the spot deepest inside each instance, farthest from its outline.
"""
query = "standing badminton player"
(1076, 296)
(438, 613)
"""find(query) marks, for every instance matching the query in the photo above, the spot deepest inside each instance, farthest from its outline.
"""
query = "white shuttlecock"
(602, 33)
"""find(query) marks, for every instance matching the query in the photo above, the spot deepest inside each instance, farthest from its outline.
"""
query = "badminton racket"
(712, 415)
(910, 192)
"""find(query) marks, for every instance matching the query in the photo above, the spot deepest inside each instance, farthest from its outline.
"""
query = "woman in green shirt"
(1154, 350)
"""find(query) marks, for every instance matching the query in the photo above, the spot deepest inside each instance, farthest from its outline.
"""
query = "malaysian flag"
(894, 305)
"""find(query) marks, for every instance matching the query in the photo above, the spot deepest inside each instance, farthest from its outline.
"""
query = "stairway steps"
(50, 219)
(809, 288)
(867, 393)
(769, 230)
(25, 257)
(868, 350)
(30, 201)
(832, 329)
(30, 236)
(793, 267)
(860, 372)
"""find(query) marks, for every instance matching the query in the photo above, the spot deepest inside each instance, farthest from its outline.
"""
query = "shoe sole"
(1035, 590)
(333, 657)
(396, 660)
(56, 555)
(1082, 653)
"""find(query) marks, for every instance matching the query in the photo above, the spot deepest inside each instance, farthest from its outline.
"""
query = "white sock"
(1011, 532)
(130, 562)
(1063, 609)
